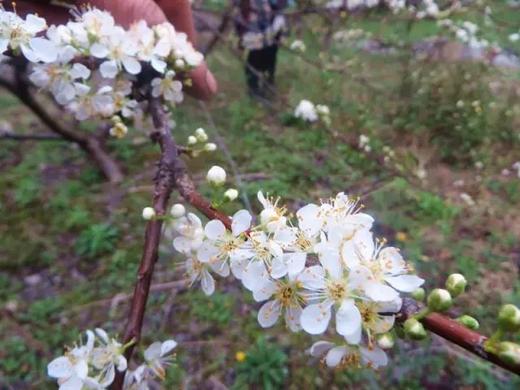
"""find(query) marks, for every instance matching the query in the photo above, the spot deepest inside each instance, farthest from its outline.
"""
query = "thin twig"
(227, 154)
(31, 137)
(13, 78)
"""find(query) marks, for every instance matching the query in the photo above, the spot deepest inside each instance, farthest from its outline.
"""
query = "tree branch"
(456, 333)
(15, 82)
(171, 173)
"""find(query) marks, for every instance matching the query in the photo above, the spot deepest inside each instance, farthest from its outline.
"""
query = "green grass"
(59, 219)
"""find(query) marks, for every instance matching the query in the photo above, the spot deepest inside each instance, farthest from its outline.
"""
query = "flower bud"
(414, 329)
(119, 130)
(179, 63)
(456, 284)
(177, 210)
(148, 213)
(469, 322)
(509, 318)
(210, 147)
(201, 135)
(192, 140)
(216, 175)
(386, 341)
(418, 294)
(231, 194)
(510, 352)
(439, 300)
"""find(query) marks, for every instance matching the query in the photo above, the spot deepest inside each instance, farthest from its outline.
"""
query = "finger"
(179, 14)
(204, 84)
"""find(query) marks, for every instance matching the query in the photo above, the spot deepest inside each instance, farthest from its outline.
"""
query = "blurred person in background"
(260, 26)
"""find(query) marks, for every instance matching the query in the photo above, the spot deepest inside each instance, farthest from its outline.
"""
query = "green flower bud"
(456, 284)
(469, 322)
(414, 329)
(510, 352)
(419, 294)
(509, 318)
(439, 300)
(386, 341)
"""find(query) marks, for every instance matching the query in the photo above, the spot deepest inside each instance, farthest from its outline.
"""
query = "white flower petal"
(131, 65)
(269, 313)
(313, 278)
(221, 267)
(319, 348)
(316, 317)
(380, 292)
(98, 50)
(375, 356)
(255, 275)
(167, 346)
(45, 50)
(405, 283)
(72, 383)
(241, 222)
(109, 69)
(335, 355)
(364, 244)
(60, 367)
(265, 292)
(348, 318)
(278, 268)
(332, 264)
(153, 352)
(295, 263)
(308, 219)
(207, 282)
(238, 267)
(215, 230)
(292, 318)
(206, 252)
(102, 335)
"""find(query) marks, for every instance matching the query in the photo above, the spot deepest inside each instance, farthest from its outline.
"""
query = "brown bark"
(456, 333)
(14, 81)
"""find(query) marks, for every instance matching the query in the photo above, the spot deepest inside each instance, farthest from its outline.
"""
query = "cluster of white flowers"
(198, 142)
(310, 112)
(427, 9)
(325, 263)
(466, 32)
(93, 365)
(514, 37)
(298, 45)
(91, 65)
(364, 143)
(350, 35)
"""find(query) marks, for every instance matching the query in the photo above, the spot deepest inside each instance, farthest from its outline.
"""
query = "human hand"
(126, 12)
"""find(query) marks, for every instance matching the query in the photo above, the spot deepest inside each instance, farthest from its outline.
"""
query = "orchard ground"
(70, 243)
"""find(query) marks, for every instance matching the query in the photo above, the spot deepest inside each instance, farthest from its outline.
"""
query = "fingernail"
(211, 82)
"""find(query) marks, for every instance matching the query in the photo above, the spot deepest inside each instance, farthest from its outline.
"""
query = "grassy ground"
(70, 243)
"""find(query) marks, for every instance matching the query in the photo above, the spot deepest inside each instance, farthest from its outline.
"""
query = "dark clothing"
(260, 26)
(260, 69)
(259, 23)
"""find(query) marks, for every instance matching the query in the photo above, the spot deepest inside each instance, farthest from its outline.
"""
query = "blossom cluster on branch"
(325, 263)
(93, 365)
(91, 65)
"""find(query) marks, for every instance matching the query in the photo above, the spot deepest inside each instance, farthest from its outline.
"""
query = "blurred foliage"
(60, 221)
